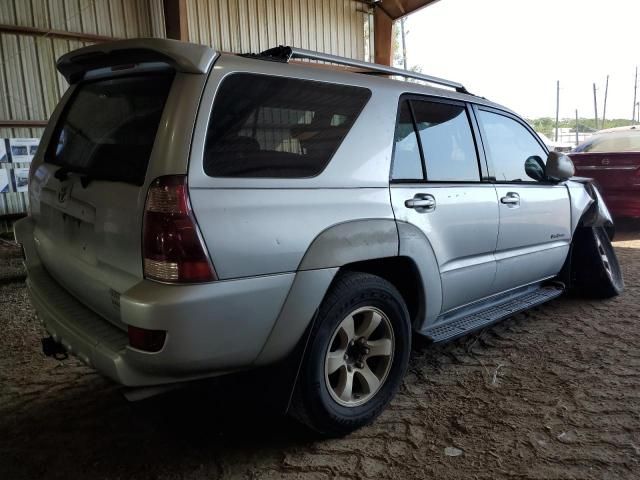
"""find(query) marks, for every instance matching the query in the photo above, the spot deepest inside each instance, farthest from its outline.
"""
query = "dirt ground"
(552, 393)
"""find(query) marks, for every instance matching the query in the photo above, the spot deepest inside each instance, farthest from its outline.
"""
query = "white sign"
(23, 149)
(3, 152)
(21, 176)
(4, 181)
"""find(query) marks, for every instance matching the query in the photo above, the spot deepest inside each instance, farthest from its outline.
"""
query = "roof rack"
(285, 53)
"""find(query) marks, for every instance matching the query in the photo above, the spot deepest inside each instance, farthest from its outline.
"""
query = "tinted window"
(407, 164)
(447, 141)
(109, 126)
(508, 144)
(612, 142)
(264, 126)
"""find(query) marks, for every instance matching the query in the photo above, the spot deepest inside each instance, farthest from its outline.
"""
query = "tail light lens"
(171, 245)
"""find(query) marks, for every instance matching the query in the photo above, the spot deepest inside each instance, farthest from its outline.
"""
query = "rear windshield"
(612, 142)
(108, 128)
(264, 126)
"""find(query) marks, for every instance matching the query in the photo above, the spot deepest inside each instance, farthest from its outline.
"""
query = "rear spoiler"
(182, 56)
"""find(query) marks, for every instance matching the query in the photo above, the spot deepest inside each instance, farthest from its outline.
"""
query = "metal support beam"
(383, 37)
(44, 32)
(175, 19)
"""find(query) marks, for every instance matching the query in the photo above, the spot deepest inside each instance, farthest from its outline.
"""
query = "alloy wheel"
(359, 356)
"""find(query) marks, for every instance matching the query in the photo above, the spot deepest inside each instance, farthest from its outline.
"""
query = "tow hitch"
(51, 348)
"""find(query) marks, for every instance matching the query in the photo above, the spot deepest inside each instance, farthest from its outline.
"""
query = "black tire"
(313, 404)
(596, 271)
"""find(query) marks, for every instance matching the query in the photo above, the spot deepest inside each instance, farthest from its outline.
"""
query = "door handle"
(421, 202)
(512, 199)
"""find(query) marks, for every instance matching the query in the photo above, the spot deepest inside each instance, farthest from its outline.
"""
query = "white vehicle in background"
(556, 146)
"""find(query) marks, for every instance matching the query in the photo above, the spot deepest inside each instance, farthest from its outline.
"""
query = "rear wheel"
(357, 355)
(597, 272)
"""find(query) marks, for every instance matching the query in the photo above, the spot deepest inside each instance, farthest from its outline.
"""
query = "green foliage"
(546, 125)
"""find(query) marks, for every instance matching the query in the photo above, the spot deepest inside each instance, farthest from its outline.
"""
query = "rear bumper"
(624, 204)
(212, 328)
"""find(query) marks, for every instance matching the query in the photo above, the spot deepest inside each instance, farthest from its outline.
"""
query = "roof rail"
(284, 54)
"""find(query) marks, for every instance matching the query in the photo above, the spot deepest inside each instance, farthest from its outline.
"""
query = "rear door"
(535, 218)
(436, 185)
(88, 193)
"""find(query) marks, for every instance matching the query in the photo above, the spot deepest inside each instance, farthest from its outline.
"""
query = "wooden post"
(557, 107)
(175, 20)
(383, 37)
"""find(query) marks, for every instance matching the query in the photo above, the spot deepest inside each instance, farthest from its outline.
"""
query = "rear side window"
(447, 142)
(264, 126)
(108, 128)
(438, 134)
(407, 162)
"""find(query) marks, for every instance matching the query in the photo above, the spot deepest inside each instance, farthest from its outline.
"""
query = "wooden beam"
(383, 37)
(401, 8)
(23, 123)
(43, 32)
(175, 20)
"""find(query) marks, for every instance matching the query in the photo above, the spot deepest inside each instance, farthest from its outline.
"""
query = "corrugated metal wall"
(243, 26)
(30, 86)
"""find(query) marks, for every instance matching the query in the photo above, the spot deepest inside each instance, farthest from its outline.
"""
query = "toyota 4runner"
(194, 214)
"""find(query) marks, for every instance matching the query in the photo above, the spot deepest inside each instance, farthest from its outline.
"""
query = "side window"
(508, 144)
(447, 142)
(407, 164)
(278, 127)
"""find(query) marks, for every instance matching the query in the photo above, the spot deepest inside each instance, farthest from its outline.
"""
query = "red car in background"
(612, 158)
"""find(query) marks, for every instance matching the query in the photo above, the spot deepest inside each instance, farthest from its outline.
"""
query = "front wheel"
(597, 273)
(357, 356)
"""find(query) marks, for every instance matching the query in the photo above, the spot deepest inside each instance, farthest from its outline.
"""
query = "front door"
(535, 217)
(436, 186)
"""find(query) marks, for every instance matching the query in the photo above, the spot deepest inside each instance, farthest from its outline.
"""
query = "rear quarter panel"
(256, 226)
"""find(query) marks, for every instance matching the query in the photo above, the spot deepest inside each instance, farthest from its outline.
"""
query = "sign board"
(21, 176)
(4, 157)
(4, 180)
(23, 149)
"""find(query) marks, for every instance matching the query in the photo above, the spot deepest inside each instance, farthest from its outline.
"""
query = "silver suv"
(195, 214)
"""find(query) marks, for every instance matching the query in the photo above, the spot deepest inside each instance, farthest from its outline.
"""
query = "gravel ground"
(552, 393)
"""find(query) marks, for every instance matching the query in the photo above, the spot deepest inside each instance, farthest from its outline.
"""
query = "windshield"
(108, 128)
(628, 141)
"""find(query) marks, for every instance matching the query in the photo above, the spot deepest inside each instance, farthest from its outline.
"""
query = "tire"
(322, 400)
(597, 273)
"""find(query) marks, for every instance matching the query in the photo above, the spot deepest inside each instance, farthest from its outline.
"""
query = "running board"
(457, 327)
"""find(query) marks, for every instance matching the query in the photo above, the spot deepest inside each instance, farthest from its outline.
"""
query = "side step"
(491, 313)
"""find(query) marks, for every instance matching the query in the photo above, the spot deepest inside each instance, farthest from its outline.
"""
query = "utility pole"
(557, 107)
(635, 92)
(604, 108)
(595, 104)
(404, 44)
(577, 127)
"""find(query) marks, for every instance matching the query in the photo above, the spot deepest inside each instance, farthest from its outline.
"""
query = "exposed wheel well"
(402, 273)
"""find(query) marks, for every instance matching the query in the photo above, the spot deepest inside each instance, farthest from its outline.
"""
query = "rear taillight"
(171, 245)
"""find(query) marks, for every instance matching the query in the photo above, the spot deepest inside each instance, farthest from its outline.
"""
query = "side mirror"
(559, 167)
(534, 168)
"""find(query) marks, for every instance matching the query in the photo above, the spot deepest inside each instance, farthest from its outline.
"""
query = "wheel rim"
(604, 258)
(359, 356)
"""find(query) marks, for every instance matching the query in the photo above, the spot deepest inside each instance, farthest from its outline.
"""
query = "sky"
(514, 51)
